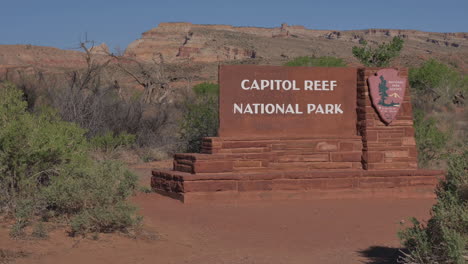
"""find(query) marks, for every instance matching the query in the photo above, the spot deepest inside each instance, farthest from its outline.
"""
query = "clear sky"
(62, 23)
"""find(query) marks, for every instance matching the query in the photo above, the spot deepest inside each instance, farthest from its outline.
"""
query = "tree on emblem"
(383, 93)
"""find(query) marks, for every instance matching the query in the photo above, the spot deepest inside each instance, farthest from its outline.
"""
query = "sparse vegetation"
(111, 142)
(379, 56)
(206, 89)
(46, 170)
(8, 256)
(125, 97)
(201, 117)
(431, 141)
(40, 231)
(444, 239)
(325, 61)
(438, 90)
(438, 86)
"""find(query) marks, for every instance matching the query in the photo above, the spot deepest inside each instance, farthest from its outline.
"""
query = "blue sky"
(63, 23)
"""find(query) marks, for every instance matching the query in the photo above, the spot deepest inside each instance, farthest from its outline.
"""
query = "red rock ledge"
(275, 185)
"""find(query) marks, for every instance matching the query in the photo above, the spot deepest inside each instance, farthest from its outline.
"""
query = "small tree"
(201, 117)
(383, 91)
(439, 83)
(379, 56)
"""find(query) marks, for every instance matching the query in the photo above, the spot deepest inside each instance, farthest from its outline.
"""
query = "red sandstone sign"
(258, 101)
(387, 90)
(292, 130)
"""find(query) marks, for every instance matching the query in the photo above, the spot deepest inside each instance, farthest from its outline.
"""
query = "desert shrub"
(23, 214)
(437, 91)
(206, 89)
(379, 56)
(104, 219)
(45, 167)
(17, 230)
(200, 118)
(112, 94)
(445, 237)
(325, 61)
(40, 231)
(438, 85)
(102, 111)
(430, 140)
(32, 147)
(97, 111)
(110, 141)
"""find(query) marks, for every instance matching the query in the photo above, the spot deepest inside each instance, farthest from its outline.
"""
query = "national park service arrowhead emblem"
(387, 91)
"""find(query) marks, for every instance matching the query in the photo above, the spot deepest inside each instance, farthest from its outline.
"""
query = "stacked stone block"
(381, 158)
(385, 146)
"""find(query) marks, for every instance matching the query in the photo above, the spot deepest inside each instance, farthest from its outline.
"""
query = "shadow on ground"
(381, 255)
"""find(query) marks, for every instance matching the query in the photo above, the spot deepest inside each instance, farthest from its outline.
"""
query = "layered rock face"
(181, 42)
(101, 49)
(205, 46)
(216, 43)
(177, 41)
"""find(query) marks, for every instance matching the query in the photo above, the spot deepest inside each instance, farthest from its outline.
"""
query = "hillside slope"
(214, 43)
(196, 50)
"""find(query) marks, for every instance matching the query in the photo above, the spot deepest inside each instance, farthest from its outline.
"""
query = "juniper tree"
(379, 56)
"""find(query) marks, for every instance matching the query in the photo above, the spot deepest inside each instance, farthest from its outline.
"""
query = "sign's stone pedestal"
(373, 160)
(385, 147)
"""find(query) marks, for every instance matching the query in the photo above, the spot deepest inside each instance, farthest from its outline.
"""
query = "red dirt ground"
(260, 232)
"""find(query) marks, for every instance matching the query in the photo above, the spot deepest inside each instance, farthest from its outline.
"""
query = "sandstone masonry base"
(380, 161)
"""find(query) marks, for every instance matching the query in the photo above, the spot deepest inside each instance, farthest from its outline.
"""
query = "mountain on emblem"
(387, 90)
(395, 95)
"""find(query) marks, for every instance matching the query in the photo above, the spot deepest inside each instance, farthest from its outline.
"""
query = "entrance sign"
(258, 101)
(298, 132)
(387, 90)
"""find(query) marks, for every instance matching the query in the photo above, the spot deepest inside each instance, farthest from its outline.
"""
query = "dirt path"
(317, 231)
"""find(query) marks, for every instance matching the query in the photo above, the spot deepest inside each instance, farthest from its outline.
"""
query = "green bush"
(45, 168)
(436, 82)
(379, 56)
(445, 237)
(206, 89)
(110, 142)
(430, 140)
(317, 62)
(40, 231)
(200, 118)
(104, 219)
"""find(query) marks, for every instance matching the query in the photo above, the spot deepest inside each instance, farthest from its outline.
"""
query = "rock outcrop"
(204, 46)
(101, 49)
(178, 42)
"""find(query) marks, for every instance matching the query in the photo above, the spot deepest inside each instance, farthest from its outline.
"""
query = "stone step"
(181, 184)
(243, 150)
(249, 169)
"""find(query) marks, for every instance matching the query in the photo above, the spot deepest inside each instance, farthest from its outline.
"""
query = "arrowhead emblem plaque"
(387, 91)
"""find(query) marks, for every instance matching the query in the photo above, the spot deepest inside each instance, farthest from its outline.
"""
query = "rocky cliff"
(195, 50)
(178, 42)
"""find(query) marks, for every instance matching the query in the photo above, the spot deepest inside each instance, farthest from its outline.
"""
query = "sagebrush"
(444, 239)
(46, 172)
(200, 118)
